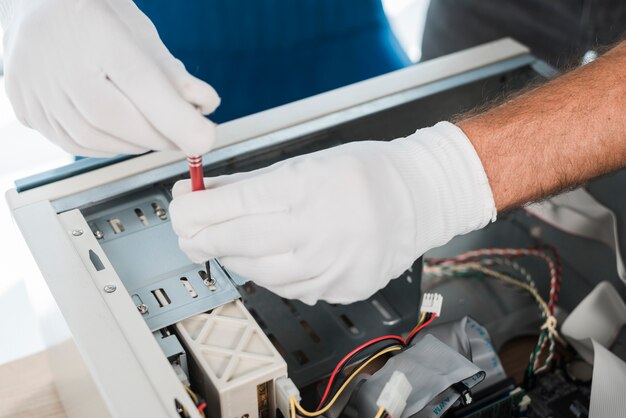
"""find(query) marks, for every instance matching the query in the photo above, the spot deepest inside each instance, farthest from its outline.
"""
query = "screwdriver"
(197, 184)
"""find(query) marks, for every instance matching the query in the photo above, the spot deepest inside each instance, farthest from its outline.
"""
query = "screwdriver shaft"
(197, 184)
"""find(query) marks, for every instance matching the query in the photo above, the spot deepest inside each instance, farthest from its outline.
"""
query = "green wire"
(535, 352)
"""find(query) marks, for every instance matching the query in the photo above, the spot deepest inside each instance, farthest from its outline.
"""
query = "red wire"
(559, 270)
(413, 333)
(365, 345)
(347, 356)
(554, 265)
(202, 406)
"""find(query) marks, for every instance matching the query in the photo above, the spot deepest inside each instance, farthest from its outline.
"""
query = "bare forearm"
(557, 136)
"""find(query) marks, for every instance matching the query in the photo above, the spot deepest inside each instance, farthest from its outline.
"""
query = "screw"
(536, 232)
(161, 214)
(77, 232)
(143, 308)
(159, 211)
(98, 234)
(110, 288)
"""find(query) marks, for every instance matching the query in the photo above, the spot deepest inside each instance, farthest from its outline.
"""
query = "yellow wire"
(380, 412)
(508, 279)
(503, 277)
(550, 323)
(194, 397)
(344, 386)
(422, 317)
(292, 407)
(192, 394)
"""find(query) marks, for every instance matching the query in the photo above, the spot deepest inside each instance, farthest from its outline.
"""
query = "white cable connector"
(394, 395)
(431, 303)
(285, 389)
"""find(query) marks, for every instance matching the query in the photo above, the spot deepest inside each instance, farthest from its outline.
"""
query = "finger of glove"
(251, 236)
(195, 211)
(274, 270)
(66, 141)
(107, 109)
(89, 137)
(195, 91)
(51, 129)
(143, 82)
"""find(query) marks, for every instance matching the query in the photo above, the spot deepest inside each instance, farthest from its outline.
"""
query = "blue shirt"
(260, 54)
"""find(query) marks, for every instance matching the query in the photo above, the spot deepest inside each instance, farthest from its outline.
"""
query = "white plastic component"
(180, 373)
(285, 389)
(598, 317)
(524, 403)
(394, 395)
(232, 364)
(431, 303)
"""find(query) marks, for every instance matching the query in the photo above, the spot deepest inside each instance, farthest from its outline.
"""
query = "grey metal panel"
(144, 258)
(147, 258)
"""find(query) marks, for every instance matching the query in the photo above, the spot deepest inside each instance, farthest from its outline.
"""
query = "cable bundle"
(431, 308)
(483, 261)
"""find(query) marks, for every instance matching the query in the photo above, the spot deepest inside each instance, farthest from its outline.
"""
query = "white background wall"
(24, 152)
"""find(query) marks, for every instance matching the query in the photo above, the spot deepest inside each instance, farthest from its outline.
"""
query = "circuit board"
(504, 401)
(555, 396)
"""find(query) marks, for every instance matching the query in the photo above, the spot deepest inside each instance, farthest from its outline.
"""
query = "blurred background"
(24, 152)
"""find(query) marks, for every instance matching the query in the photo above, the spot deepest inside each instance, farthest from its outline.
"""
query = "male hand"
(338, 224)
(94, 77)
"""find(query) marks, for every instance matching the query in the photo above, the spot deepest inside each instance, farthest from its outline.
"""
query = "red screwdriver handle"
(196, 173)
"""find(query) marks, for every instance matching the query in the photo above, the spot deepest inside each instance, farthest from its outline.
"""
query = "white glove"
(94, 77)
(338, 224)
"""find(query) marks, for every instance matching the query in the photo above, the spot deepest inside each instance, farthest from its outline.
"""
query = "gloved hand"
(340, 223)
(94, 77)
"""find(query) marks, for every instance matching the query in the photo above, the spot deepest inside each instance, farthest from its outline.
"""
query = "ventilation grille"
(231, 357)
